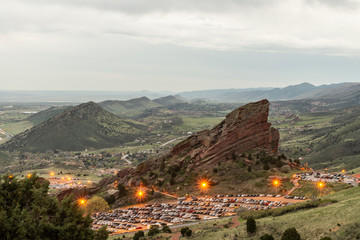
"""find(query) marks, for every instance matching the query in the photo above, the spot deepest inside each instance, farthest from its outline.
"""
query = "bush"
(138, 235)
(166, 229)
(266, 237)
(184, 230)
(326, 238)
(188, 232)
(250, 225)
(291, 234)
(153, 231)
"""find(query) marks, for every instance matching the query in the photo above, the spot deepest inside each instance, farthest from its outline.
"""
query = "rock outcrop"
(244, 129)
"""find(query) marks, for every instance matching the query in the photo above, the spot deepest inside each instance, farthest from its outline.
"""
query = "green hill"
(339, 220)
(42, 116)
(130, 107)
(82, 127)
(168, 100)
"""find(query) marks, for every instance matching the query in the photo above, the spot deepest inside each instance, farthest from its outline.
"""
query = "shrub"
(291, 234)
(153, 231)
(326, 238)
(250, 225)
(138, 235)
(266, 237)
(184, 230)
(166, 229)
(188, 232)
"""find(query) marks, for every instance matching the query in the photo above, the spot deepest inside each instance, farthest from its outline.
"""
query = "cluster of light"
(276, 182)
(140, 194)
(203, 184)
(52, 174)
(29, 175)
(320, 185)
(81, 202)
(343, 171)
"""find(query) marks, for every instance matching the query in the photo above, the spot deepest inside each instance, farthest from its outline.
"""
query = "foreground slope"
(339, 220)
(81, 127)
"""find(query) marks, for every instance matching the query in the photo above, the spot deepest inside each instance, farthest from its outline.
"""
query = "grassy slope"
(85, 126)
(336, 220)
(47, 114)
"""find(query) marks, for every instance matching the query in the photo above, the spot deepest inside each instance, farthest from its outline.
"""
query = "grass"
(199, 123)
(337, 220)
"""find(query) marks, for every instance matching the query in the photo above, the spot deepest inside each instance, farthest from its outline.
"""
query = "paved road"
(124, 158)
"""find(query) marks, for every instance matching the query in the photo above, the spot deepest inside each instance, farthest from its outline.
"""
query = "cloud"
(310, 26)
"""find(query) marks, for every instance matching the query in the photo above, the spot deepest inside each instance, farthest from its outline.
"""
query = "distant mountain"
(46, 114)
(292, 92)
(129, 107)
(168, 100)
(84, 126)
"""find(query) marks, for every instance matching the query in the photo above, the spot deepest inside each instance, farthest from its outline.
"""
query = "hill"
(236, 154)
(82, 127)
(299, 91)
(339, 220)
(45, 115)
(168, 100)
(130, 107)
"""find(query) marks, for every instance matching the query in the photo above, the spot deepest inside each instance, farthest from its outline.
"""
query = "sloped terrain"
(82, 127)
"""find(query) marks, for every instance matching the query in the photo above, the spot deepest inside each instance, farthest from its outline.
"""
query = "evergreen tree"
(250, 225)
(291, 234)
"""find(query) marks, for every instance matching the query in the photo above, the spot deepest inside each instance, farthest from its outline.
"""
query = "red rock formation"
(244, 129)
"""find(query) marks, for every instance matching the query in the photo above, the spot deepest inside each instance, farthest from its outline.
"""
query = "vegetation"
(96, 204)
(28, 212)
(250, 225)
(291, 234)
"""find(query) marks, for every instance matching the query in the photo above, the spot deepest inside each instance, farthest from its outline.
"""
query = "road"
(124, 158)
(8, 135)
(163, 145)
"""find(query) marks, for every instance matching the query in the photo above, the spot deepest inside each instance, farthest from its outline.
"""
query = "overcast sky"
(177, 45)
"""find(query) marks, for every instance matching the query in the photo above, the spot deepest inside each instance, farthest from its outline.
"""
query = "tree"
(28, 212)
(188, 232)
(96, 204)
(138, 235)
(166, 229)
(101, 234)
(326, 238)
(184, 230)
(291, 234)
(153, 231)
(250, 225)
(266, 237)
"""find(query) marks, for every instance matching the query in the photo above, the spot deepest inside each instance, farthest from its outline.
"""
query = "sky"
(172, 45)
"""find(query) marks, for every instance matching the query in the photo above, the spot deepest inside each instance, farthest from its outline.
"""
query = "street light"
(29, 175)
(82, 202)
(140, 194)
(52, 174)
(276, 183)
(203, 185)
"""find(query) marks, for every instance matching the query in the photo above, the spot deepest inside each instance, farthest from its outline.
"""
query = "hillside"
(339, 220)
(130, 107)
(45, 115)
(236, 153)
(300, 91)
(82, 127)
(168, 100)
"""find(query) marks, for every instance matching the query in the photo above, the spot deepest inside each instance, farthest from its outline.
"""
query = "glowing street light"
(203, 185)
(320, 185)
(82, 202)
(276, 184)
(140, 194)
(52, 174)
(343, 171)
(29, 175)
(11, 176)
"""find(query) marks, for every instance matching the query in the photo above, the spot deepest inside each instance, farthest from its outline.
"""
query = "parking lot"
(138, 217)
